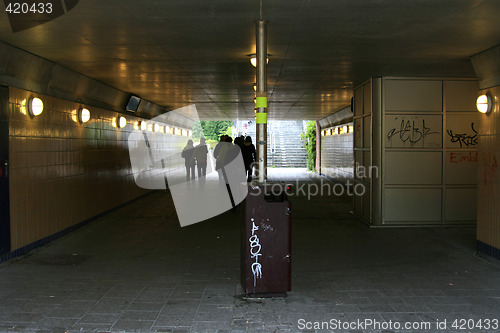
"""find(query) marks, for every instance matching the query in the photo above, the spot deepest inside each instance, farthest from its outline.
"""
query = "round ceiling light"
(253, 59)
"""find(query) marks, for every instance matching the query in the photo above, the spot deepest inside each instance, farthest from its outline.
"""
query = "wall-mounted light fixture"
(35, 106)
(141, 125)
(119, 122)
(484, 103)
(338, 130)
(83, 115)
(255, 87)
(345, 129)
(253, 59)
(155, 127)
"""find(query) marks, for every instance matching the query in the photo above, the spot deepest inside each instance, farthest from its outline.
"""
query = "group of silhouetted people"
(224, 152)
(195, 156)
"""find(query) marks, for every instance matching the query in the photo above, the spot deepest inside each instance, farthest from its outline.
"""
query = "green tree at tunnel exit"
(309, 138)
(211, 130)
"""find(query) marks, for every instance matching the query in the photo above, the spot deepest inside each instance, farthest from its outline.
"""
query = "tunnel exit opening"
(286, 147)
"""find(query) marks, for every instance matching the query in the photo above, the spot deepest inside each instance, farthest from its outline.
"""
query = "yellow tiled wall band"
(63, 172)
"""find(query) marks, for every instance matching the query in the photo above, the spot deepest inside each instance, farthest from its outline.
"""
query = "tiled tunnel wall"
(63, 172)
(488, 186)
(337, 155)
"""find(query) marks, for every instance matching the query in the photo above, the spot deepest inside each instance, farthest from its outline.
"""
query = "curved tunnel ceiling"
(177, 52)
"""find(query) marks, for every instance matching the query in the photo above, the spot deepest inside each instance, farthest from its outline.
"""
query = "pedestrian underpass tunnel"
(387, 132)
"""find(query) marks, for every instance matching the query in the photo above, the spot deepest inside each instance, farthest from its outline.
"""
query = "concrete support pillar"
(261, 100)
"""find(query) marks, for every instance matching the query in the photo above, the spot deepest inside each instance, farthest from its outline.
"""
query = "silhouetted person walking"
(219, 145)
(248, 152)
(189, 160)
(200, 154)
(220, 153)
(226, 154)
(238, 141)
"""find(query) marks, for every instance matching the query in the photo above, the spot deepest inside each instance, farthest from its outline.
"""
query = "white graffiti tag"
(255, 248)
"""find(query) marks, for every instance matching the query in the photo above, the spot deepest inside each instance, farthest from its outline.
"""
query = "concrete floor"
(137, 270)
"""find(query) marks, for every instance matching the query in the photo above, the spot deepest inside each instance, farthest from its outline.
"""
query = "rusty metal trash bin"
(266, 241)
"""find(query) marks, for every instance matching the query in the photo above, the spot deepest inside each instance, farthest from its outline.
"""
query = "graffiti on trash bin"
(255, 248)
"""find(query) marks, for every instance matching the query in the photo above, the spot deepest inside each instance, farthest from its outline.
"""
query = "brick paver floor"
(136, 270)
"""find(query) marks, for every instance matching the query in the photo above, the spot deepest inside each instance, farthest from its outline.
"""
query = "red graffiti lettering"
(460, 157)
(490, 166)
